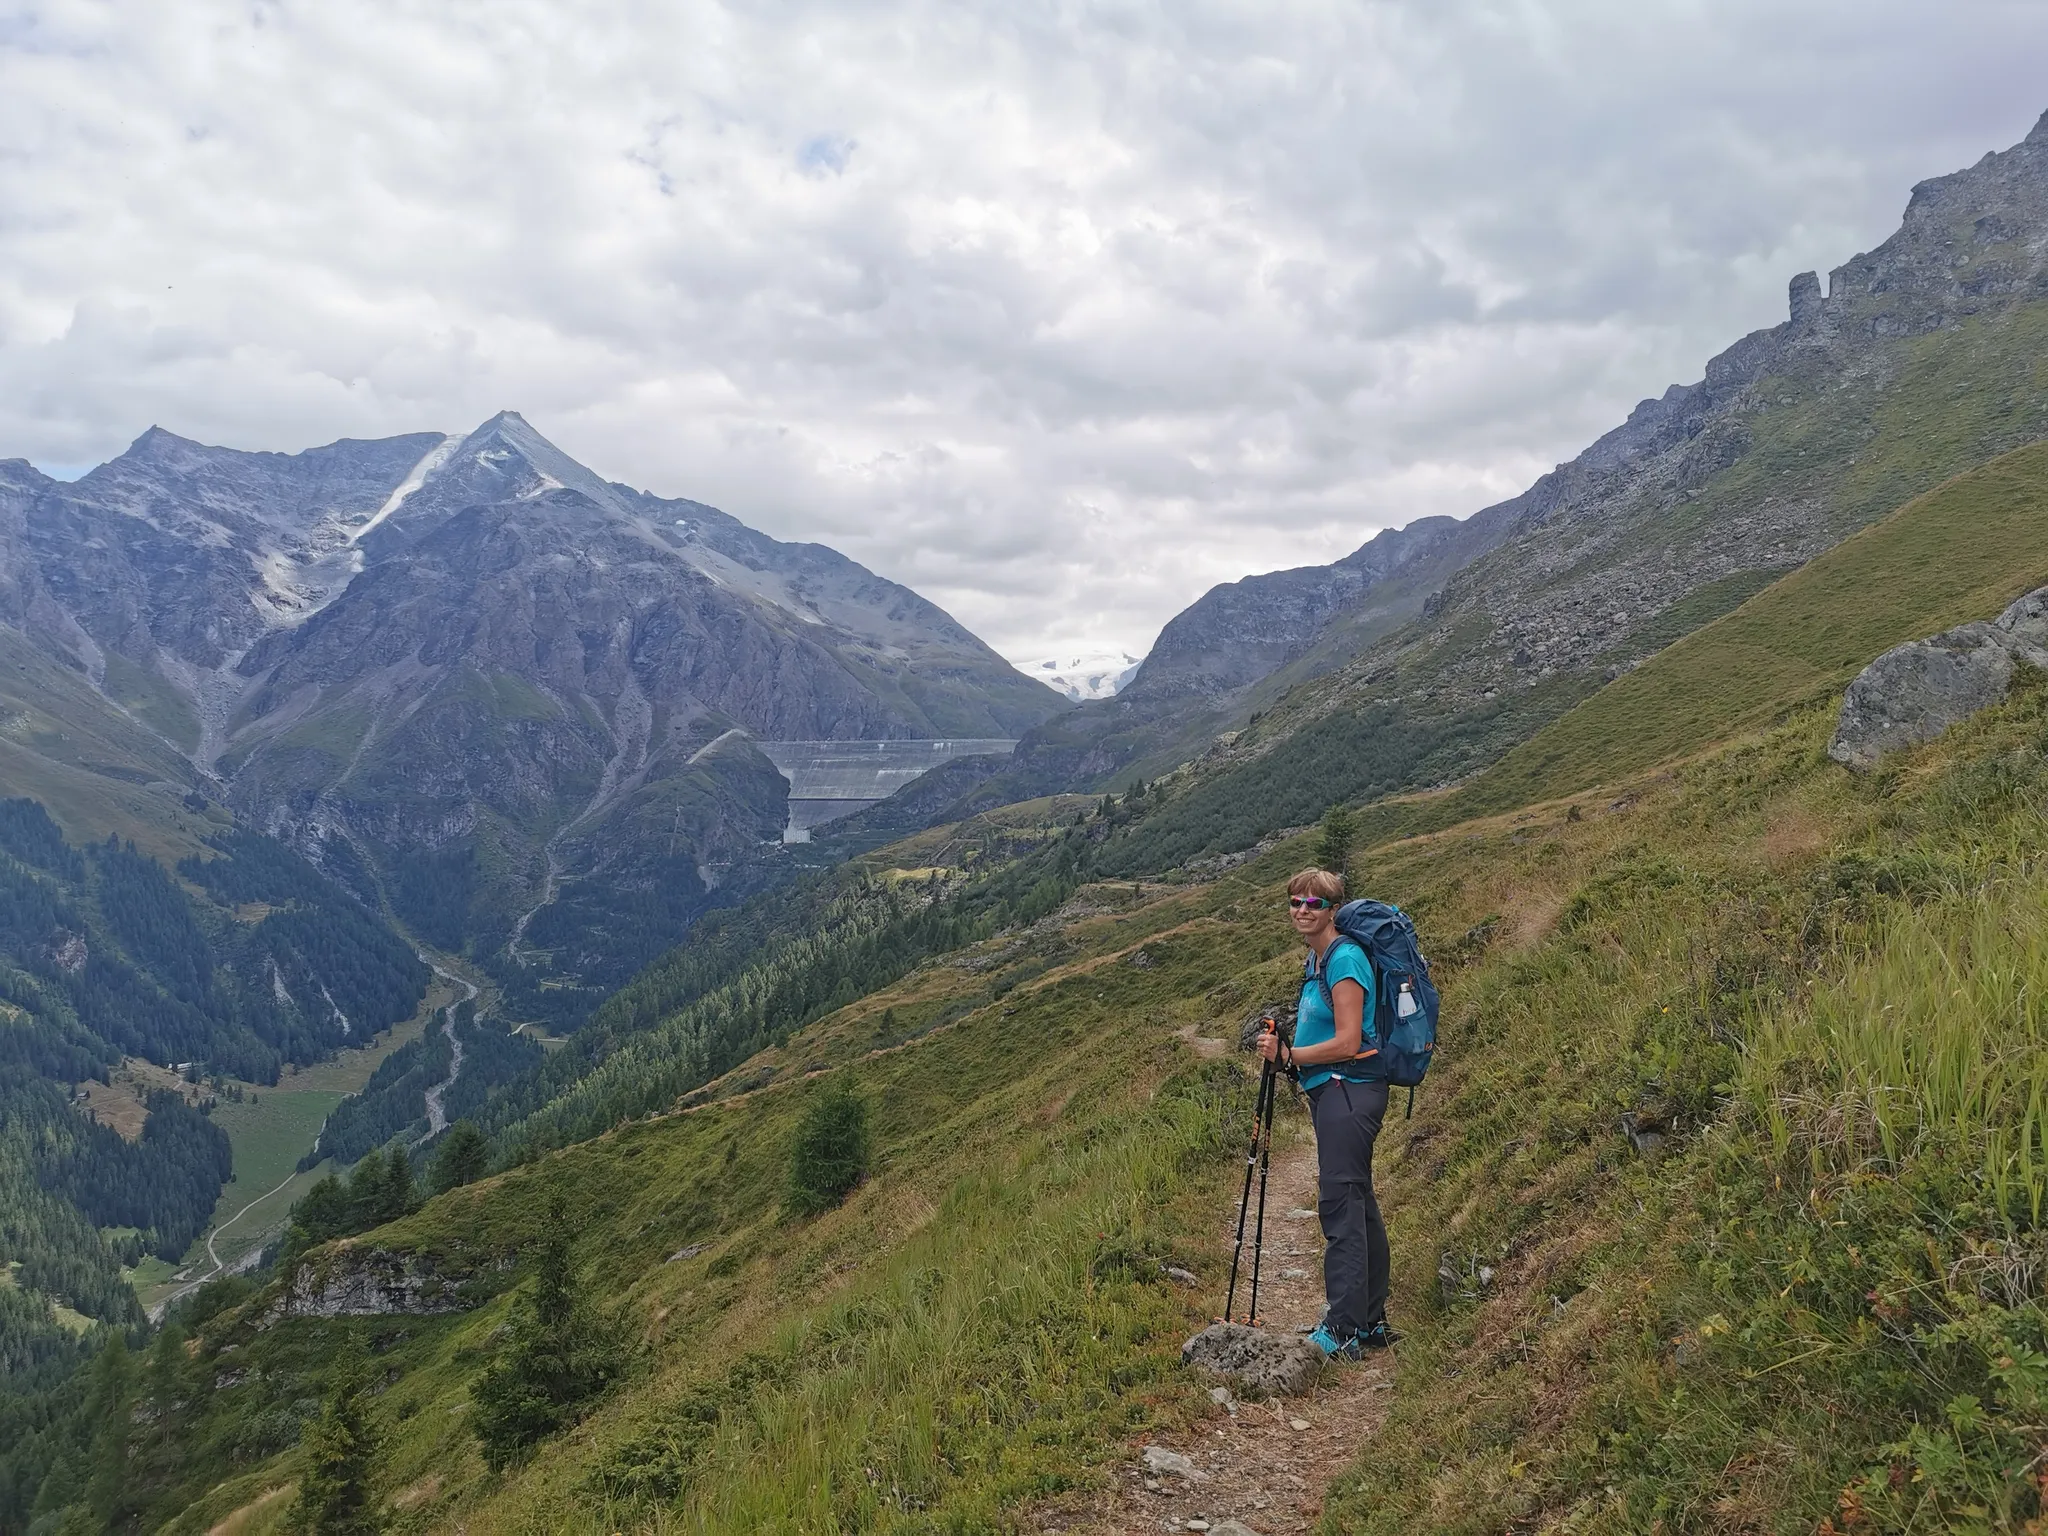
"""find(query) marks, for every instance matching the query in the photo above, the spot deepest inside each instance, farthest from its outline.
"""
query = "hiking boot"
(1334, 1348)
(1379, 1336)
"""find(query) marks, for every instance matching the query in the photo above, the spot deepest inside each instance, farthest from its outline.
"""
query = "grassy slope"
(1785, 1316)
(95, 770)
(991, 1299)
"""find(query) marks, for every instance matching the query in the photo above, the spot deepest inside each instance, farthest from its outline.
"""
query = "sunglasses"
(1307, 903)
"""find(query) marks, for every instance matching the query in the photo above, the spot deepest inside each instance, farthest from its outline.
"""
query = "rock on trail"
(1268, 1363)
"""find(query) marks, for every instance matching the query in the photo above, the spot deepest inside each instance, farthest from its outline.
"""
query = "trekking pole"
(1251, 1157)
(1259, 1232)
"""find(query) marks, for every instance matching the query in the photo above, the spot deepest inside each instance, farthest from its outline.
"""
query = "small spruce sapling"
(337, 1448)
(829, 1155)
(1333, 848)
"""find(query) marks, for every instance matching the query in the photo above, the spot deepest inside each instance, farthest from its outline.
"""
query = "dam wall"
(830, 779)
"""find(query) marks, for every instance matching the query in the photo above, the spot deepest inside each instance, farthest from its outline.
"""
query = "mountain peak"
(509, 439)
(155, 440)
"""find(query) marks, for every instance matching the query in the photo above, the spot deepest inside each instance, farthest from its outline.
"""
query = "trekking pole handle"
(1270, 1025)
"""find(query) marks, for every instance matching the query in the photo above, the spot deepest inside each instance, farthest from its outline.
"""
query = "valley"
(269, 1130)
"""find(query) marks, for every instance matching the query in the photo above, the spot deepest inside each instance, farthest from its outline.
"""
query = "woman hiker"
(1333, 1056)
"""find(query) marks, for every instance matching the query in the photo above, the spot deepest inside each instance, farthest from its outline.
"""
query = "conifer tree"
(164, 1380)
(334, 1485)
(397, 1198)
(830, 1153)
(1333, 848)
(110, 1410)
(558, 1358)
(62, 1488)
(463, 1157)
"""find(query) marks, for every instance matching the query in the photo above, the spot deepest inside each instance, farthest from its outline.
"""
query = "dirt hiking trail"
(1257, 1468)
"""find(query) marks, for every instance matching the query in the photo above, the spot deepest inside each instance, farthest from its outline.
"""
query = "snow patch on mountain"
(1082, 675)
(430, 461)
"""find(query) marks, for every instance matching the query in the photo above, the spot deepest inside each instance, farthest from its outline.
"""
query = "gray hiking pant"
(1347, 1119)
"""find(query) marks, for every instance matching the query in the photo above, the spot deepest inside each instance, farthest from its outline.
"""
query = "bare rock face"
(1263, 1363)
(1914, 692)
(1254, 1025)
(369, 1282)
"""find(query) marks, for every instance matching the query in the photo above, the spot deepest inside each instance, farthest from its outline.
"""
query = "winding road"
(242, 1261)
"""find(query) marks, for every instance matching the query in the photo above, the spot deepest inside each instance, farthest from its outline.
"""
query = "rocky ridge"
(1916, 363)
(349, 1280)
(1241, 631)
(1606, 543)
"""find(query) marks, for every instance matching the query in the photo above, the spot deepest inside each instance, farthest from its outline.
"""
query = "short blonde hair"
(1318, 882)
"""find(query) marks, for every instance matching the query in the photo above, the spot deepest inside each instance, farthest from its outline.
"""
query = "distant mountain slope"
(1920, 363)
(1800, 639)
(1239, 646)
(520, 693)
(252, 961)
(1242, 631)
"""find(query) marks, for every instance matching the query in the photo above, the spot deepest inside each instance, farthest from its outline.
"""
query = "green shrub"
(829, 1155)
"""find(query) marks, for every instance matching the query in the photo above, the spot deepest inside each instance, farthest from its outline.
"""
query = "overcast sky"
(1058, 312)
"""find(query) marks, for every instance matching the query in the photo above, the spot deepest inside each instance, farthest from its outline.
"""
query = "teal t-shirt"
(1314, 1023)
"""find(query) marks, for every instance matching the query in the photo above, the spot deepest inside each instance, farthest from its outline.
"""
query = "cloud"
(1058, 313)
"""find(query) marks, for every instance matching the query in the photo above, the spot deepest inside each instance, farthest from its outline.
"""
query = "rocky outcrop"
(1267, 1364)
(347, 1281)
(1914, 692)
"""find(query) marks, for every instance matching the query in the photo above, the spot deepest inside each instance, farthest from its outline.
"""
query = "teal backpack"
(1405, 1003)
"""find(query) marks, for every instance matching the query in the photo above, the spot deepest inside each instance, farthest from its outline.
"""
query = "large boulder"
(1264, 1364)
(1915, 691)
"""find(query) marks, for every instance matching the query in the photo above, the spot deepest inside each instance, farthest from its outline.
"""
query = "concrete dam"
(830, 779)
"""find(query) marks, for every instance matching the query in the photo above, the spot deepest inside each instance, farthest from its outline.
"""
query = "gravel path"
(1259, 1469)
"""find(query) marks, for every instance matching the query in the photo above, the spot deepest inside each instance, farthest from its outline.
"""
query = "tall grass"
(981, 1363)
(1935, 1039)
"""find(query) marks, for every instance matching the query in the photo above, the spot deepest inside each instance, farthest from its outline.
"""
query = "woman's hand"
(1269, 1044)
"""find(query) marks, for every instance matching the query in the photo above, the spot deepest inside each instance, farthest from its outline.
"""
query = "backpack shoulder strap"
(1345, 938)
(1319, 972)
(1310, 971)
